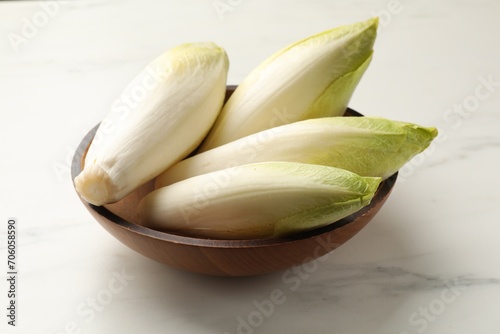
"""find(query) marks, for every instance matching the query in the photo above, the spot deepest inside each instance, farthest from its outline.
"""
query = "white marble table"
(427, 263)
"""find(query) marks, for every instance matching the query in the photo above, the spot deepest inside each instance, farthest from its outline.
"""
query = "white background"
(427, 263)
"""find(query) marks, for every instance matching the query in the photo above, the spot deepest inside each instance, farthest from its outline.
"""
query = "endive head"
(176, 99)
(314, 77)
(346, 53)
(260, 200)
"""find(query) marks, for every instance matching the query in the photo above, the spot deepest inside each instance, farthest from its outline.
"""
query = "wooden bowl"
(224, 257)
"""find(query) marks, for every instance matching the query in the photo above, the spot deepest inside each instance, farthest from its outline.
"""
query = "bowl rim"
(382, 192)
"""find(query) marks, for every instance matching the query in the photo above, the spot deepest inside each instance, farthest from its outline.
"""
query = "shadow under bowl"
(224, 257)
